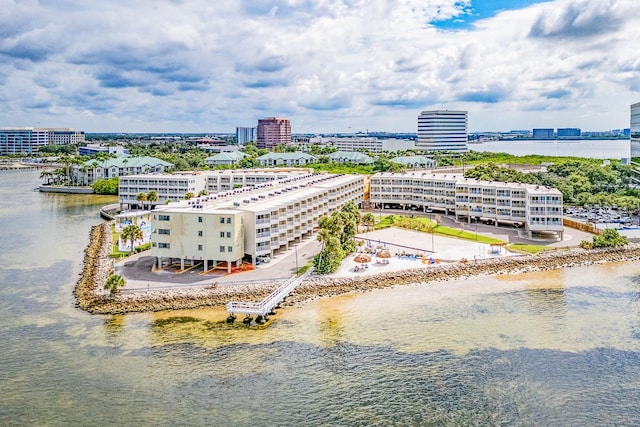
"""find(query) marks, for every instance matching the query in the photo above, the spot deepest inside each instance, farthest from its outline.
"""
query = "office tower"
(442, 130)
(273, 131)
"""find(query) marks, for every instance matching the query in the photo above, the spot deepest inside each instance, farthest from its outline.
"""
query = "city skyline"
(326, 66)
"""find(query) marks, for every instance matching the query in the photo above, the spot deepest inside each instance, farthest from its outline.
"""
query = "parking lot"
(601, 215)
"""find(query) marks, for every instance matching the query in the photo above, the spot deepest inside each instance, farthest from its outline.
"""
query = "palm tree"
(141, 197)
(152, 196)
(203, 192)
(369, 220)
(131, 233)
(114, 283)
(189, 196)
(46, 174)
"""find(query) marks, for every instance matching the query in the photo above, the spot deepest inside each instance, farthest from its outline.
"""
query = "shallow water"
(544, 348)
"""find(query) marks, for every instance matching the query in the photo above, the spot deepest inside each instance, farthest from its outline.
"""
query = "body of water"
(589, 148)
(546, 348)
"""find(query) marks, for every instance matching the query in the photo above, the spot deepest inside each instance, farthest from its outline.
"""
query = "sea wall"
(62, 189)
(97, 267)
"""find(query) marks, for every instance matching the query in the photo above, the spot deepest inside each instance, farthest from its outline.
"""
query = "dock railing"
(273, 299)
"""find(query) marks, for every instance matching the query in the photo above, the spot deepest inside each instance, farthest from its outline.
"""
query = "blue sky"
(327, 65)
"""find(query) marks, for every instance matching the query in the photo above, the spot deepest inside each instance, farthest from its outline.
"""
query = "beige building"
(222, 229)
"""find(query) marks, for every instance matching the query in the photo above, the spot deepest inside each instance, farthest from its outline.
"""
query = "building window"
(229, 249)
(221, 248)
(228, 234)
(221, 220)
(222, 234)
(199, 247)
(163, 245)
(199, 219)
(163, 217)
(228, 220)
(164, 231)
(199, 233)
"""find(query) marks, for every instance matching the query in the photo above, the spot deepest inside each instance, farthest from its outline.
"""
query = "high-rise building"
(273, 131)
(245, 135)
(442, 130)
(634, 132)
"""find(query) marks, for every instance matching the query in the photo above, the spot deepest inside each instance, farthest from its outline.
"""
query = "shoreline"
(98, 266)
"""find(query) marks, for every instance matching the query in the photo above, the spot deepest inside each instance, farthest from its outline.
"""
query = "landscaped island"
(98, 265)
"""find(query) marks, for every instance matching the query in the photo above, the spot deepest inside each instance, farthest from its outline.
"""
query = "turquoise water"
(549, 348)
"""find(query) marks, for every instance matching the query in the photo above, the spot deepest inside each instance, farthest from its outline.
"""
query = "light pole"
(295, 248)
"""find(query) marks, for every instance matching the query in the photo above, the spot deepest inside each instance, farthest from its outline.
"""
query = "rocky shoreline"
(98, 266)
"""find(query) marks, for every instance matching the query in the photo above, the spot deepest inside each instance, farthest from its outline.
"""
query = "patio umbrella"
(362, 258)
(383, 254)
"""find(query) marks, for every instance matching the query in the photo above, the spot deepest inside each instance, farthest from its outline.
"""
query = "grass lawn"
(425, 225)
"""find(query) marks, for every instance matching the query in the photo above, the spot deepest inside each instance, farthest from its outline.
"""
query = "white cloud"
(331, 65)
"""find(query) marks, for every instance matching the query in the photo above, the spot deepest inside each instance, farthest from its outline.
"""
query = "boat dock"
(265, 306)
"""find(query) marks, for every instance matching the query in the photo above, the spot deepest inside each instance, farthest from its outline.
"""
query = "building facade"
(537, 208)
(174, 187)
(273, 131)
(543, 133)
(634, 131)
(569, 133)
(220, 230)
(93, 170)
(286, 159)
(245, 135)
(28, 140)
(442, 130)
(367, 144)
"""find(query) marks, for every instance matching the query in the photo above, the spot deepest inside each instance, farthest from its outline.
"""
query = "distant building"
(569, 132)
(28, 140)
(273, 131)
(350, 157)
(93, 149)
(93, 170)
(543, 133)
(634, 132)
(442, 130)
(286, 159)
(371, 144)
(415, 162)
(245, 135)
(227, 158)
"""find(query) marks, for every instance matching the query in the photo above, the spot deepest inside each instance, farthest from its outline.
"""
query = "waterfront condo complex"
(537, 208)
(223, 229)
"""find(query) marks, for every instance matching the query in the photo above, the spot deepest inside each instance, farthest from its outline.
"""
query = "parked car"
(265, 259)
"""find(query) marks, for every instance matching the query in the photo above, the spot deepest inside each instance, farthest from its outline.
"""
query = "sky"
(329, 66)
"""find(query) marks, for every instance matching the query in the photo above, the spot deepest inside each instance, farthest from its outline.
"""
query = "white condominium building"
(174, 187)
(222, 229)
(442, 130)
(168, 187)
(537, 208)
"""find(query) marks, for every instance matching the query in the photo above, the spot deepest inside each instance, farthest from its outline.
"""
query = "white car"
(265, 259)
